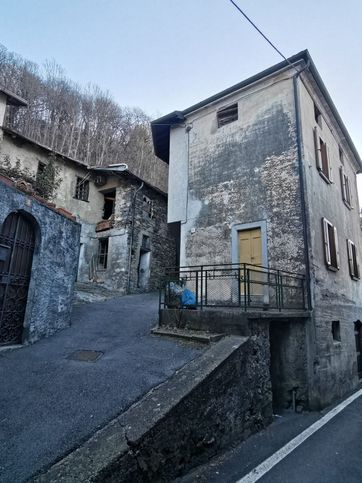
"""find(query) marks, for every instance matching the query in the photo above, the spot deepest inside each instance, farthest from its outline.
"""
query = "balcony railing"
(244, 286)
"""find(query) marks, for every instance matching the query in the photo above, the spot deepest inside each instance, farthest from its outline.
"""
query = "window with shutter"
(352, 260)
(331, 249)
(346, 191)
(322, 157)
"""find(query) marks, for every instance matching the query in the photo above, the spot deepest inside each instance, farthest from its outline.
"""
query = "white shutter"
(350, 257)
(336, 245)
(343, 184)
(327, 250)
(317, 149)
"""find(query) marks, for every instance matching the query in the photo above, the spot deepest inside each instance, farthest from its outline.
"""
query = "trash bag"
(188, 298)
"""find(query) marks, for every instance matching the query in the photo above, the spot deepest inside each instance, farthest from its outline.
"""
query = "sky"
(165, 55)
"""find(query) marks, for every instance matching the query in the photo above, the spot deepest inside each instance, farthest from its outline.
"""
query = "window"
(346, 190)
(227, 114)
(102, 253)
(41, 167)
(341, 156)
(322, 157)
(317, 116)
(336, 331)
(109, 202)
(147, 206)
(330, 245)
(352, 260)
(82, 189)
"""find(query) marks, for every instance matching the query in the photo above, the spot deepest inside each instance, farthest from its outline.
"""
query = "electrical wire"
(261, 33)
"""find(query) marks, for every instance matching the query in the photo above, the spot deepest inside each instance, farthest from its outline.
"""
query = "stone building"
(263, 174)
(125, 241)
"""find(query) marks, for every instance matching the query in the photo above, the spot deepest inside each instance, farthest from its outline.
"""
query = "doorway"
(144, 264)
(17, 241)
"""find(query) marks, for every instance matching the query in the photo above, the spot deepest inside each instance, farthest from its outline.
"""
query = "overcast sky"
(163, 55)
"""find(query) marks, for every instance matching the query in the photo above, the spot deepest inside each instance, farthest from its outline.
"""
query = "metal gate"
(16, 254)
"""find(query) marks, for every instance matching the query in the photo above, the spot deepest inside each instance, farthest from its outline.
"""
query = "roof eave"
(13, 99)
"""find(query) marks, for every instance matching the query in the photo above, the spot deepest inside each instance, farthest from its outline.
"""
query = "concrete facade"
(260, 170)
(127, 266)
(54, 265)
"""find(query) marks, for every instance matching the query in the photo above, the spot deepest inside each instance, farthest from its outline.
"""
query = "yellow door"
(250, 252)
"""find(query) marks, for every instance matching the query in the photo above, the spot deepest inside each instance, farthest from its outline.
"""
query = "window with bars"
(82, 189)
(346, 189)
(227, 114)
(352, 260)
(331, 250)
(102, 258)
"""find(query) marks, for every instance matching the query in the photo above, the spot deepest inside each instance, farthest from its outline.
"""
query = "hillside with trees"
(82, 123)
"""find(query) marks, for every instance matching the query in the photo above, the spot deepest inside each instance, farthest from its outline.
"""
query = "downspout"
(305, 220)
(132, 235)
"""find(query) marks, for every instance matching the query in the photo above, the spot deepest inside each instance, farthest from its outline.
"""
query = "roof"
(13, 99)
(161, 127)
(15, 134)
(108, 170)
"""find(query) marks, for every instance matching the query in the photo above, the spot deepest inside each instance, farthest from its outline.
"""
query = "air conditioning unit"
(100, 180)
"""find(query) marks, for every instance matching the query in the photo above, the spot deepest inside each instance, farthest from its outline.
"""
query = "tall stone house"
(263, 174)
(125, 242)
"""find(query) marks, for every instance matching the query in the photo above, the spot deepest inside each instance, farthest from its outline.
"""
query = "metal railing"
(234, 285)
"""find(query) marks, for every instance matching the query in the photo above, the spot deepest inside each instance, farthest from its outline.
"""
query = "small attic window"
(227, 114)
(317, 115)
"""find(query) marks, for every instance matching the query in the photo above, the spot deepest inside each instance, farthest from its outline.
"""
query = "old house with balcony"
(125, 242)
(262, 188)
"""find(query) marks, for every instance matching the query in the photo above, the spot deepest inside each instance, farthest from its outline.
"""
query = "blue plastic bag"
(188, 297)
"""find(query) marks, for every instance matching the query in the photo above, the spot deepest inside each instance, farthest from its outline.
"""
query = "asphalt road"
(333, 454)
(50, 403)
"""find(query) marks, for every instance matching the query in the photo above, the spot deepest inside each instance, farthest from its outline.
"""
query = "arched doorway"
(17, 239)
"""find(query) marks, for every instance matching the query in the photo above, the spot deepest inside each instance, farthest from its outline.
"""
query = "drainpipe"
(132, 235)
(305, 220)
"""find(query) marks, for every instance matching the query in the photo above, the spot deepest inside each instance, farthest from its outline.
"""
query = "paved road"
(49, 403)
(333, 454)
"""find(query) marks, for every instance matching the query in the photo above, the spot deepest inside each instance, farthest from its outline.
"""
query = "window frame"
(102, 265)
(353, 265)
(81, 189)
(322, 157)
(345, 188)
(229, 118)
(332, 259)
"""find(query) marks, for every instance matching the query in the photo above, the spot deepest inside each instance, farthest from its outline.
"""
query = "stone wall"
(220, 398)
(54, 266)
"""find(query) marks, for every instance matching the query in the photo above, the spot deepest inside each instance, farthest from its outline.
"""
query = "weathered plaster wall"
(3, 99)
(336, 296)
(54, 264)
(29, 157)
(243, 172)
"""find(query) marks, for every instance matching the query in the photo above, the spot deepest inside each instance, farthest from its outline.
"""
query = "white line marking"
(274, 459)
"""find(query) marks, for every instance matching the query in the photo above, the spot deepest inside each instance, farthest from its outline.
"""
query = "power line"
(261, 33)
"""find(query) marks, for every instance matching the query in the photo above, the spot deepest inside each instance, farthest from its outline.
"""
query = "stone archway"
(17, 242)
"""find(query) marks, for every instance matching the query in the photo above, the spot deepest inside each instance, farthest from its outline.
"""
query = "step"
(190, 335)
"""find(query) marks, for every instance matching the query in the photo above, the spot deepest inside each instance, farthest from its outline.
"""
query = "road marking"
(274, 459)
